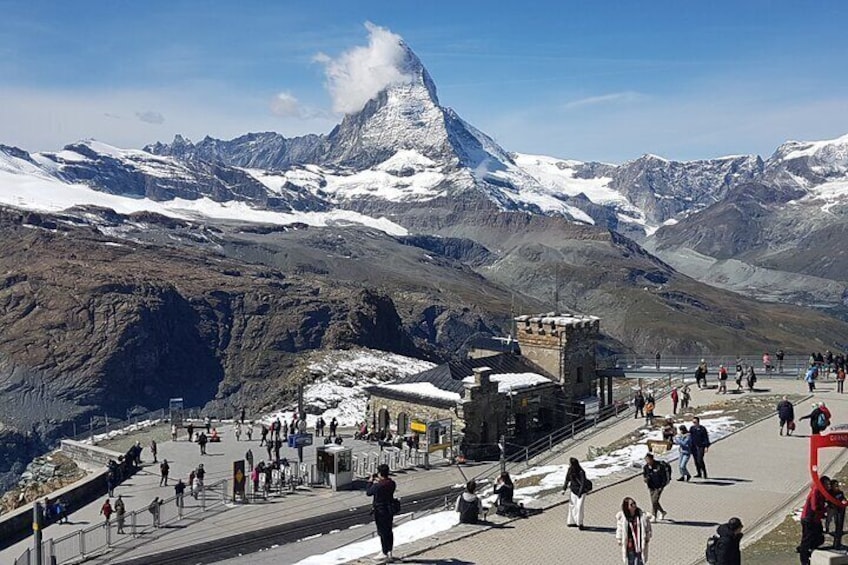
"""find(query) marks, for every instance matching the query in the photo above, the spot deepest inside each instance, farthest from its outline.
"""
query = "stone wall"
(17, 525)
(89, 454)
(414, 410)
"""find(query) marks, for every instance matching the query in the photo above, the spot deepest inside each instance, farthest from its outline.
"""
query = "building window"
(579, 374)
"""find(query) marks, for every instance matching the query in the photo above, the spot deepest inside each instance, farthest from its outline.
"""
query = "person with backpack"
(656, 474)
(382, 488)
(683, 441)
(632, 532)
(578, 486)
(751, 378)
(811, 376)
(817, 418)
(468, 504)
(722, 380)
(786, 415)
(723, 548)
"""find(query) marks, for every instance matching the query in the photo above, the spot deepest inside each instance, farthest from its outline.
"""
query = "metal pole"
(502, 445)
(37, 524)
(300, 416)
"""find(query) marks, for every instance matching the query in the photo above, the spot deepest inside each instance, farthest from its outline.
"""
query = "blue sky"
(602, 81)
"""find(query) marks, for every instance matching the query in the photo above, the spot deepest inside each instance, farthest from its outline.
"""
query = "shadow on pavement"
(602, 529)
(692, 523)
(438, 561)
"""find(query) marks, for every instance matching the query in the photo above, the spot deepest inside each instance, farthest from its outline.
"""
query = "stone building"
(522, 394)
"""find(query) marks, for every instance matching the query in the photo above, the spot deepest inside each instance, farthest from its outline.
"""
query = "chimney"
(481, 375)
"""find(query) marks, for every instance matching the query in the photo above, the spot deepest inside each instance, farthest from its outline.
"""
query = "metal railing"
(792, 364)
(91, 541)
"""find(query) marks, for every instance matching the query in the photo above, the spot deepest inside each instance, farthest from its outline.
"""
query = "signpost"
(239, 480)
(303, 440)
(418, 426)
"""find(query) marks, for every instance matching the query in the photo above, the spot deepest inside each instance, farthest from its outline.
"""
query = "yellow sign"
(417, 426)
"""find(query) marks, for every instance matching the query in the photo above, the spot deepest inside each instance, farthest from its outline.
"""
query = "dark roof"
(494, 344)
(449, 375)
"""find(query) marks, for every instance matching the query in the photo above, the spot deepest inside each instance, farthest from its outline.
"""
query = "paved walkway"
(753, 474)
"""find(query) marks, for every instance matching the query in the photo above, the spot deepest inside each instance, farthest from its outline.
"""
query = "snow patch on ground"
(629, 457)
(123, 431)
(407, 532)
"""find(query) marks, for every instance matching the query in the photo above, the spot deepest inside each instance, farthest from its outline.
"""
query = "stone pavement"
(184, 456)
(754, 473)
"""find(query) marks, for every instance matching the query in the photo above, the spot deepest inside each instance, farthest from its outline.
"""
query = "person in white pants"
(577, 485)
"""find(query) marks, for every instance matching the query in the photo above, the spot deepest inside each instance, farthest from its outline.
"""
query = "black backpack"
(467, 511)
(711, 553)
(665, 471)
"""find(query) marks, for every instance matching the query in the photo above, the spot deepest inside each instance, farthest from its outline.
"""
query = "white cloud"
(48, 119)
(285, 104)
(627, 96)
(150, 117)
(360, 73)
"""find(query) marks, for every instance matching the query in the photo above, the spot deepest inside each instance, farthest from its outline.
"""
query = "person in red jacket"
(812, 534)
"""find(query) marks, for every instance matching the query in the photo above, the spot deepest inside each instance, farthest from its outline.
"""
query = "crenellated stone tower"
(564, 345)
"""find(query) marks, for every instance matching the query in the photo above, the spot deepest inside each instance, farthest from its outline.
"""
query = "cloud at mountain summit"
(358, 74)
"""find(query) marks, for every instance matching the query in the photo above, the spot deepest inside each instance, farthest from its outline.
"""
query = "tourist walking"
(237, 430)
(786, 415)
(722, 380)
(649, 410)
(248, 456)
(817, 418)
(164, 469)
(173, 432)
(154, 449)
(701, 374)
(639, 405)
(190, 430)
(751, 378)
(577, 486)
(201, 441)
(334, 426)
(153, 508)
(382, 489)
(727, 544)
(684, 444)
(468, 504)
(687, 397)
(675, 397)
(656, 474)
(840, 379)
(249, 430)
(767, 362)
(263, 435)
(779, 355)
(658, 357)
(106, 512)
(700, 446)
(179, 492)
(812, 534)
(811, 376)
(632, 532)
(120, 513)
